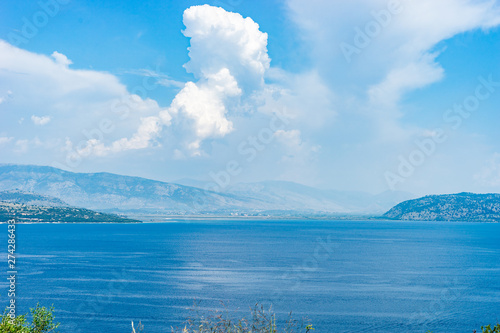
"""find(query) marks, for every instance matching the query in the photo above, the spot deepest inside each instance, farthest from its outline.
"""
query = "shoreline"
(195, 219)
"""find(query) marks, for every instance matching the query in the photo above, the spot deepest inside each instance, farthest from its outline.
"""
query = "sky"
(361, 95)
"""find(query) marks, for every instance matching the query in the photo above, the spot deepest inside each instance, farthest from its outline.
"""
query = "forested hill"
(451, 207)
(32, 207)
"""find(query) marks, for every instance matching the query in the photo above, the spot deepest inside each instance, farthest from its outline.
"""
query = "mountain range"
(289, 195)
(124, 194)
(50, 194)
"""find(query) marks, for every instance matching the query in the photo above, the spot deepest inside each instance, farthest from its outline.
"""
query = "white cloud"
(4, 140)
(204, 104)
(61, 59)
(296, 148)
(46, 74)
(40, 121)
(149, 128)
(408, 33)
(398, 81)
(221, 39)
(299, 95)
(399, 59)
(298, 156)
(159, 78)
(75, 102)
(400, 56)
(21, 146)
(7, 96)
(289, 138)
(228, 56)
(489, 175)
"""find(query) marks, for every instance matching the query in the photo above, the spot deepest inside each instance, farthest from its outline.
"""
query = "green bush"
(488, 329)
(42, 322)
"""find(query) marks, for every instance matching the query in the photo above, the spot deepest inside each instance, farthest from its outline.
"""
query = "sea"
(339, 276)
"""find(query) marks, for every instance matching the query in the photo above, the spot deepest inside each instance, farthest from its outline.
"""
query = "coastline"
(209, 219)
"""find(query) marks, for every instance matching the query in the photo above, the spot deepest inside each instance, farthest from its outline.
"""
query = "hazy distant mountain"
(192, 182)
(110, 192)
(115, 193)
(451, 207)
(290, 195)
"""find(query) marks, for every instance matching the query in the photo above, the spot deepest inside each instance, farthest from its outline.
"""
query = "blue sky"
(356, 95)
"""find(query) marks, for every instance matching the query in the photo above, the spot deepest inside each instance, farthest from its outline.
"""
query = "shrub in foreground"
(488, 329)
(42, 322)
(261, 321)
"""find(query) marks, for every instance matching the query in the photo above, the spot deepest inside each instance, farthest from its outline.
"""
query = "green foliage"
(18, 325)
(42, 322)
(488, 329)
(262, 321)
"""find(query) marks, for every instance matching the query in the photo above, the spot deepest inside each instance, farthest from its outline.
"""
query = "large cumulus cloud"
(220, 39)
(228, 57)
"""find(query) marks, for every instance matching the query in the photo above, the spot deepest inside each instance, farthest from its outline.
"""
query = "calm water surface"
(347, 276)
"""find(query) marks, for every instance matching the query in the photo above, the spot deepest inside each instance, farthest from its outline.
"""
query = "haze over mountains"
(25, 186)
(122, 194)
(290, 195)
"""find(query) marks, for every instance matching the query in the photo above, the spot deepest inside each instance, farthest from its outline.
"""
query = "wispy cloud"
(489, 175)
(160, 78)
(40, 121)
(400, 57)
(5, 140)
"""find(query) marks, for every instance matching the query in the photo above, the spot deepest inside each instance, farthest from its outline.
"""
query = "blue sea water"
(345, 276)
